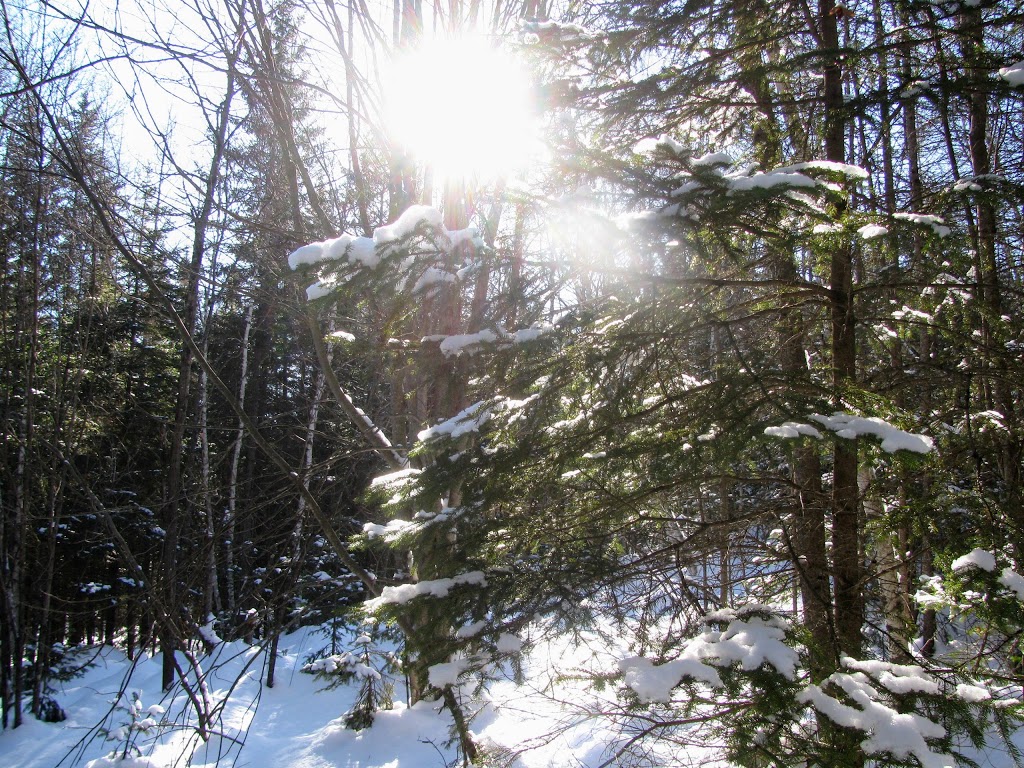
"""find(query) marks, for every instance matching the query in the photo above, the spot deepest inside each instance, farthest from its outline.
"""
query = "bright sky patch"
(463, 106)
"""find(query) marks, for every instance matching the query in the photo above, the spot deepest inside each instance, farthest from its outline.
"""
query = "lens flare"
(463, 106)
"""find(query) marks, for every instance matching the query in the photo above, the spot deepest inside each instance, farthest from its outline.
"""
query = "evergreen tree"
(709, 402)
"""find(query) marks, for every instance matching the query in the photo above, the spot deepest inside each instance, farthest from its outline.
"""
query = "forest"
(694, 326)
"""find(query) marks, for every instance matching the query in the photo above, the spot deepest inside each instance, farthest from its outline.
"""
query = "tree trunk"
(848, 571)
(231, 513)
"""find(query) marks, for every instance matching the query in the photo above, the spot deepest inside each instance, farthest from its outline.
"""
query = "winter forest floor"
(298, 722)
(545, 720)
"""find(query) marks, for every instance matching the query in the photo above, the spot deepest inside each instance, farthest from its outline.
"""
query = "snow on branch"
(936, 223)
(789, 430)
(850, 427)
(396, 529)
(403, 593)
(716, 173)
(893, 438)
(901, 735)
(898, 678)
(395, 482)
(456, 345)
(854, 172)
(871, 231)
(467, 420)
(423, 221)
(472, 418)
(654, 682)
(1013, 581)
(710, 171)
(844, 425)
(563, 33)
(983, 560)
(664, 143)
(1013, 74)
(768, 180)
(976, 558)
(754, 636)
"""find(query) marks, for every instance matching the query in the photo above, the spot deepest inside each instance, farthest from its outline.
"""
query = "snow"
(469, 419)
(898, 678)
(854, 172)
(471, 630)
(431, 277)
(913, 88)
(406, 224)
(847, 426)
(713, 158)
(1013, 581)
(893, 438)
(306, 256)
(901, 735)
(663, 143)
(525, 335)
(209, 636)
(396, 479)
(915, 314)
(508, 643)
(362, 250)
(393, 530)
(296, 724)
(368, 252)
(320, 289)
(457, 344)
(870, 231)
(1013, 74)
(654, 682)
(447, 673)
(554, 718)
(976, 558)
(559, 31)
(792, 429)
(471, 235)
(967, 185)
(749, 641)
(936, 223)
(117, 762)
(769, 180)
(403, 593)
(746, 178)
(973, 693)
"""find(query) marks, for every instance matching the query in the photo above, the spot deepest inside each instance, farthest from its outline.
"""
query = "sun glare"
(463, 106)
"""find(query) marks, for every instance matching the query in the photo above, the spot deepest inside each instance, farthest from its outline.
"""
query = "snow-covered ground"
(546, 720)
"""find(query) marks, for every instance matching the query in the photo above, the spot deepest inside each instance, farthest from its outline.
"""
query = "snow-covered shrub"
(371, 666)
(747, 676)
(135, 720)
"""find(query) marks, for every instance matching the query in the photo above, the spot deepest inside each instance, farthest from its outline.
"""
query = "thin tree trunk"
(211, 593)
(231, 513)
(296, 552)
(173, 516)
